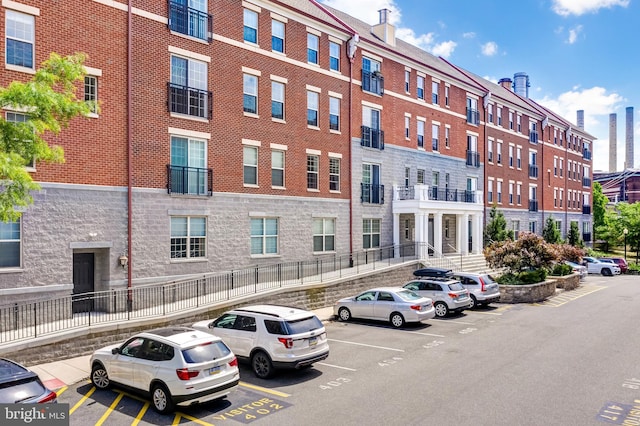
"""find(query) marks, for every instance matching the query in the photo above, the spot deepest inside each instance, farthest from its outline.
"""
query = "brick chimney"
(384, 30)
(506, 83)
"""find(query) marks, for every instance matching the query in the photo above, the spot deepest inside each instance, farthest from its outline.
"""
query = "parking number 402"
(335, 383)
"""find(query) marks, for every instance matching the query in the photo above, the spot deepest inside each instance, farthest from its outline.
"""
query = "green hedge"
(524, 277)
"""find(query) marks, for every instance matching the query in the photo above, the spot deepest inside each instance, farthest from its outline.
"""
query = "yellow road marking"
(61, 390)
(564, 298)
(193, 419)
(176, 419)
(261, 389)
(141, 414)
(82, 400)
(107, 413)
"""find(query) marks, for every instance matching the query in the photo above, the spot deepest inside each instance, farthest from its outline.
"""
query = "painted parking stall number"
(252, 411)
(467, 330)
(631, 384)
(335, 383)
(433, 344)
(388, 362)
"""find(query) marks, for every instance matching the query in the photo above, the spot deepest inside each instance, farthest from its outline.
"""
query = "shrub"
(528, 252)
(569, 252)
(561, 269)
(523, 278)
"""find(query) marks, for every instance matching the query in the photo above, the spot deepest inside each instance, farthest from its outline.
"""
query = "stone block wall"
(531, 293)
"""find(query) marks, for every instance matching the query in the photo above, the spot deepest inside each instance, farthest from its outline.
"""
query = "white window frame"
(21, 28)
(277, 96)
(371, 229)
(8, 232)
(324, 230)
(276, 25)
(334, 55)
(247, 165)
(250, 89)
(334, 113)
(278, 166)
(187, 253)
(250, 21)
(334, 174)
(313, 45)
(264, 238)
(313, 104)
(313, 169)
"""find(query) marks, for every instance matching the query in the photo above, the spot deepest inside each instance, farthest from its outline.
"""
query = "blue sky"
(579, 54)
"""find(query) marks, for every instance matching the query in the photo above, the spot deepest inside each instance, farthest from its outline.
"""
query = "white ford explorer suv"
(270, 337)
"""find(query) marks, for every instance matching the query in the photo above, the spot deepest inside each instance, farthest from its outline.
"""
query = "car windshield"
(408, 295)
(205, 352)
(303, 325)
(456, 286)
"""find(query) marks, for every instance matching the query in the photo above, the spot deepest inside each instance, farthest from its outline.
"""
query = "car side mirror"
(115, 351)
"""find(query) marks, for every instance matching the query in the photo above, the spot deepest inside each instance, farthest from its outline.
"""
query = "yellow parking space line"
(176, 419)
(107, 413)
(82, 400)
(261, 389)
(193, 419)
(61, 390)
(141, 414)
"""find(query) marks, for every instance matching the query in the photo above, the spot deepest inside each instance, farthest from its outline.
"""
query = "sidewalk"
(67, 372)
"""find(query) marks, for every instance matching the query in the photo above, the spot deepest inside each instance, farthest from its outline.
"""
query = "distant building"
(620, 186)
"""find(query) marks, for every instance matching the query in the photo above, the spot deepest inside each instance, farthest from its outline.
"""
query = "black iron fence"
(27, 320)
(189, 21)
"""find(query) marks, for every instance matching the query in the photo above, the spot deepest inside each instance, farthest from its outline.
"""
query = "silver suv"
(483, 288)
(448, 295)
(270, 336)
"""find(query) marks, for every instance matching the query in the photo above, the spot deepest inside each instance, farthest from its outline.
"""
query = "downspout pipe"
(129, 157)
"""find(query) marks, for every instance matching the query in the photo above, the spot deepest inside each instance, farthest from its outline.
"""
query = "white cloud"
(573, 34)
(367, 11)
(490, 48)
(469, 34)
(580, 7)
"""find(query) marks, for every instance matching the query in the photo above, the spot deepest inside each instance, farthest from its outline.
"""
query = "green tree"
(529, 252)
(496, 229)
(630, 219)
(50, 103)
(573, 238)
(599, 207)
(550, 232)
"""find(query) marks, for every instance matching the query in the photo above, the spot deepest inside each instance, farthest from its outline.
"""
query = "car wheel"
(261, 365)
(99, 376)
(344, 314)
(161, 399)
(396, 319)
(607, 272)
(441, 309)
(474, 302)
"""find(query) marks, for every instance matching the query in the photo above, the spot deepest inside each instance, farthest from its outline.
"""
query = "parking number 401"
(335, 383)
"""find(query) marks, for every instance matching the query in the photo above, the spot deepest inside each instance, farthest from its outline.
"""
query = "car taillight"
(453, 295)
(234, 362)
(51, 397)
(482, 285)
(185, 374)
(416, 307)
(286, 341)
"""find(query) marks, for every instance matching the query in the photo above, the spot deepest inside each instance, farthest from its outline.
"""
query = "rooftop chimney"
(628, 161)
(613, 142)
(580, 118)
(505, 82)
(384, 30)
(521, 84)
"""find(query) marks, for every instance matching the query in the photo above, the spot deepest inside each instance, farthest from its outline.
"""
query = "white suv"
(483, 288)
(174, 365)
(270, 336)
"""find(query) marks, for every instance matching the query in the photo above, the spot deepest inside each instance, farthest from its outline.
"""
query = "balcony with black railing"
(473, 116)
(533, 136)
(586, 209)
(189, 180)
(189, 101)
(371, 193)
(533, 171)
(586, 237)
(189, 21)
(373, 82)
(586, 182)
(586, 154)
(533, 205)
(455, 195)
(372, 138)
(473, 158)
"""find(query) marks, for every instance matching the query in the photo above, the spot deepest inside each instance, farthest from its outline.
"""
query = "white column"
(464, 249)
(425, 235)
(459, 234)
(420, 231)
(396, 233)
(437, 232)
(477, 233)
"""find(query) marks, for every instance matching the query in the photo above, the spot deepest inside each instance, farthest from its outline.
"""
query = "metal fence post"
(35, 320)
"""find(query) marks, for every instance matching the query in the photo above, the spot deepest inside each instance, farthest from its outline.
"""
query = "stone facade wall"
(531, 293)
(566, 282)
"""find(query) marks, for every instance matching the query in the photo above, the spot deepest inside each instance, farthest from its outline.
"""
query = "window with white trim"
(370, 233)
(334, 174)
(420, 87)
(313, 41)
(277, 168)
(499, 191)
(20, 39)
(277, 36)
(91, 92)
(435, 89)
(189, 93)
(25, 133)
(420, 177)
(490, 112)
(264, 236)
(188, 165)
(250, 165)
(10, 244)
(490, 191)
(518, 157)
(490, 150)
(407, 123)
(324, 234)
(277, 100)
(420, 134)
(407, 78)
(188, 237)
(519, 193)
(250, 93)
(313, 167)
(334, 56)
(447, 131)
(334, 113)
(312, 108)
(250, 26)
(435, 137)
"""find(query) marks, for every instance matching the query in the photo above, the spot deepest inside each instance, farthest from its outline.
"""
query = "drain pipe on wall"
(129, 159)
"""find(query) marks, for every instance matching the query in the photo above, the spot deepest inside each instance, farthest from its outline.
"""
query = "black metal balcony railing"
(372, 194)
(586, 182)
(373, 82)
(586, 209)
(372, 138)
(189, 21)
(189, 180)
(586, 237)
(189, 101)
(473, 116)
(586, 154)
(533, 136)
(533, 205)
(533, 171)
(473, 158)
(456, 195)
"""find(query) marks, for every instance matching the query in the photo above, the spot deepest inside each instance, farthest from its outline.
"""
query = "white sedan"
(595, 266)
(394, 304)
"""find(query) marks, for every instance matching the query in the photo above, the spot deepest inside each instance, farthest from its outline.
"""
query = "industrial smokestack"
(613, 142)
(521, 84)
(580, 120)
(629, 140)
(506, 83)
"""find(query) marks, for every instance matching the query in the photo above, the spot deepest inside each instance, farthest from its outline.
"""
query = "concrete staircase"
(469, 263)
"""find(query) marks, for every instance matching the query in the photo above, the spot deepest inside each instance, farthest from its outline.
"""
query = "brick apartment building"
(202, 158)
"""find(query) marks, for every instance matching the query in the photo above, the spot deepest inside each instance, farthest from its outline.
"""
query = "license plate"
(313, 341)
(214, 370)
